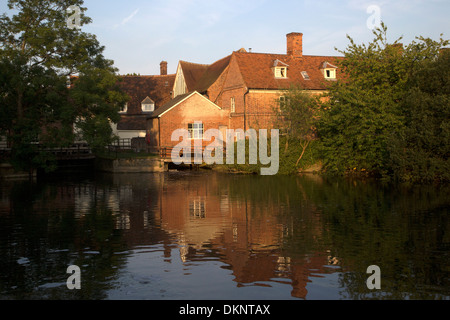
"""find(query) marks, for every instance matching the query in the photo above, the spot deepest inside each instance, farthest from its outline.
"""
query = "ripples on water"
(205, 235)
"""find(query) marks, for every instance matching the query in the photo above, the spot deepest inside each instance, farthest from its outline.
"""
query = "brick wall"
(195, 108)
(261, 108)
(215, 90)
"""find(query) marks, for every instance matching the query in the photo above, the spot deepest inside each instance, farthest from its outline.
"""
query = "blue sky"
(139, 34)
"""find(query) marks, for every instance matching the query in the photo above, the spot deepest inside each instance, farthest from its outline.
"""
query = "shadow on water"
(207, 235)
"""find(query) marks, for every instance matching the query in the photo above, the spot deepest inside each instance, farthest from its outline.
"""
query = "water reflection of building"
(202, 216)
(197, 217)
(252, 238)
(191, 213)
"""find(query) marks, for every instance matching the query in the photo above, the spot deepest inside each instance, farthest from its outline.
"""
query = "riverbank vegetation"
(53, 79)
(390, 115)
(388, 118)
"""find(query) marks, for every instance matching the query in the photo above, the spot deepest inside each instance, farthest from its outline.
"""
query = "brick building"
(190, 111)
(245, 87)
(147, 94)
(250, 85)
(256, 82)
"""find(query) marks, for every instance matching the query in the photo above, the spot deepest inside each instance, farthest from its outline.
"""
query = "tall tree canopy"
(421, 152)
(371, 107)
(39, 54)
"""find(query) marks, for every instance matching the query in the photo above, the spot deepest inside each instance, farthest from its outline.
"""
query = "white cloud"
(127, 19)
(130, 16)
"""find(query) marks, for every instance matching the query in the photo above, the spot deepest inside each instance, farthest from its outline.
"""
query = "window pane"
(195, 130)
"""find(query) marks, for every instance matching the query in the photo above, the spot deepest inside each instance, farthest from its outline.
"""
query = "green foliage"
(296, 116)
(297, 113)
(38, 54)
(289, 155)
(421, 152)
(287, 158)
(96, 97)
(32, 98)
(360, 124)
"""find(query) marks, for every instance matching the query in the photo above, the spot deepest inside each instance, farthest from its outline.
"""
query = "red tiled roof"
(192, 73)
(157, 88)
(174, 102)
(199, 77)
(257, 72)
(211, 74)
(168, 105)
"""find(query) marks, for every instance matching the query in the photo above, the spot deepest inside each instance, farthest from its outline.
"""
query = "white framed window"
(195, 130)
(330, 73)
(148, 107)
(280, 72)
(233, 105)
(124, 108)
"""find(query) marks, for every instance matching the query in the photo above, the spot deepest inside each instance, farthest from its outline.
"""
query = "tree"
(364, 113)
(297, 115)
(38, 54)
(32, 98)
(421, 152)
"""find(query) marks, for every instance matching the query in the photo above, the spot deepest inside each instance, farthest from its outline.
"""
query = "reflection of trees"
(265, 229)
(403, 230)
(50, 237)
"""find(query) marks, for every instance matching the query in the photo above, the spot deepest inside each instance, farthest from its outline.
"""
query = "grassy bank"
(289, 152)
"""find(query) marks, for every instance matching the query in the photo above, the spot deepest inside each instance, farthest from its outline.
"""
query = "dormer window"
(280, 72)
(329, 71)
(280, 69)
(148, 105)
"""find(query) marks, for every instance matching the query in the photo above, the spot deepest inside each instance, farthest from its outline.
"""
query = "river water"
(208, 235)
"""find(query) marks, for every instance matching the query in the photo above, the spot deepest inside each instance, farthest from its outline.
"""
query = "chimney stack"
(163, 67)
(295, 44)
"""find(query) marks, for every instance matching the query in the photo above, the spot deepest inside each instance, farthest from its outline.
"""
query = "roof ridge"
(199, 64)
(207, 64)
(221, 59)
(285, 54)
(147, 75)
